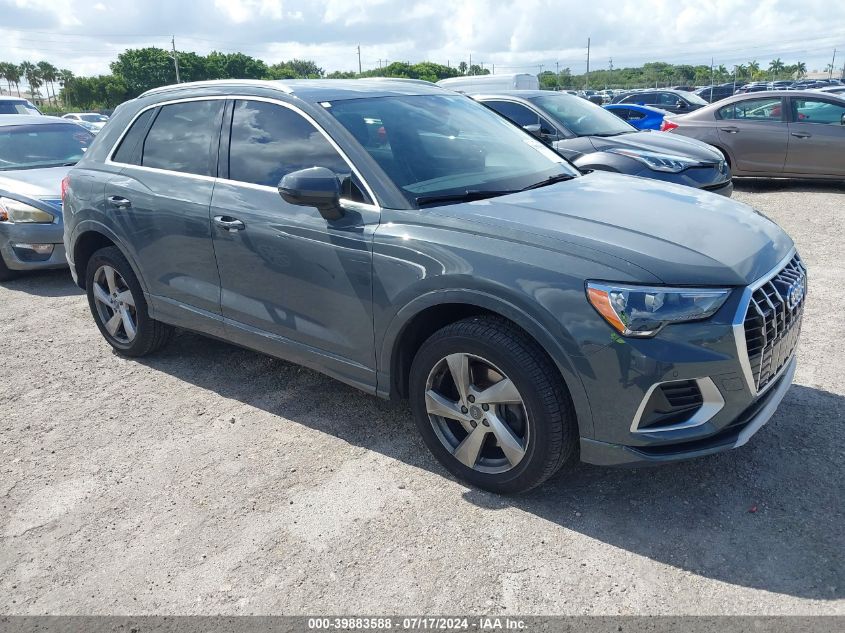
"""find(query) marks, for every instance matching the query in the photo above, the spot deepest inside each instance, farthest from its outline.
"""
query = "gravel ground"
(210, 480)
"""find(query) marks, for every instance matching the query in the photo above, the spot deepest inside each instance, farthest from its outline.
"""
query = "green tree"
(49, 74)
(462, 68)
(65, 78)
(144, 68)
(776, 66)
(754, 69)
(801, 69)
(30, 72)
(234, 66)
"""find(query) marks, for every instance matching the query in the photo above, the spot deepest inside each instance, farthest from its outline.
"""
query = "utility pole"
(175, 56)
(587, 76)
(611, 74)
(832, 64)
(493, 65)
(359, 59)
(469, 68)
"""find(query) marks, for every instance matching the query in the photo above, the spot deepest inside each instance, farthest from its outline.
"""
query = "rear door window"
(763, 109)
(184, 136)
(129, 150)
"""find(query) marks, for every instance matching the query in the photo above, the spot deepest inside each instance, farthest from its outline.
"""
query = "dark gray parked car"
(36, 152)
(412, 243)
(593, 138)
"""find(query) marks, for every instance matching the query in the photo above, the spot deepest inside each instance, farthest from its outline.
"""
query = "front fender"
(553, 344)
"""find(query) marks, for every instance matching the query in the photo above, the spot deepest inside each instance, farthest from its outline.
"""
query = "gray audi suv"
(412, 243)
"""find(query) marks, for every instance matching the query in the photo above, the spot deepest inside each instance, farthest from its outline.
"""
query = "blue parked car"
(640, 116)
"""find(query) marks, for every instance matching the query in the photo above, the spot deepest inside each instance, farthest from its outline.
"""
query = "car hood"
(682, 236)
(34, 183)
(659, 142)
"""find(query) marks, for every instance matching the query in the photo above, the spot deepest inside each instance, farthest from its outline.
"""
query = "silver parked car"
(91, 121)
(36, 152)
(793, 134)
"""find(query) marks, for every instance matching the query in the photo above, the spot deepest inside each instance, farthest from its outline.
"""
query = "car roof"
(524, 94)
(9, 98)
(7, 120)
(313, 90)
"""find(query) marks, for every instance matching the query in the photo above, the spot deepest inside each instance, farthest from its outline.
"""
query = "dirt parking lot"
(210, 479)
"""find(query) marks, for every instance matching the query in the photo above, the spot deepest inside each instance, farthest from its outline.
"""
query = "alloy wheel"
(477, 413)
(115, 305)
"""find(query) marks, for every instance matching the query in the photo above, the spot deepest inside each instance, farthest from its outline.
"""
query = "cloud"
(514, 36)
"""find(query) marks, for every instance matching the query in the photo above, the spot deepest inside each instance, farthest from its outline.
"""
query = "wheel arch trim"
(93, 226)
(388, 350)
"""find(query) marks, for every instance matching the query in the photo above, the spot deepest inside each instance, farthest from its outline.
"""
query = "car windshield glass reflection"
(445, 146)
(582, 117)
(50, 145)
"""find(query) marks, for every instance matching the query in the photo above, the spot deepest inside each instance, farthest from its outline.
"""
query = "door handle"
(119, 202)
(800, 134)
(730, 130)
(233, 225)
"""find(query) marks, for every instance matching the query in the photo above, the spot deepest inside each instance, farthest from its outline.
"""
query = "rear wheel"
(118, 305)
(491, 406)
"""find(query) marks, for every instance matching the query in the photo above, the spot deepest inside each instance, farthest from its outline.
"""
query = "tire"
(145, 335)
(6, 274)
(542, 423)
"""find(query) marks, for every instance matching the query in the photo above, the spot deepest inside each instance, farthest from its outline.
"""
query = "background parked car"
(91, 121)
(675, 101)
(837, 90)
(593, 138)
(17, 105)
(712, 94)
(36, 152)
(777, 133)
(641, 117)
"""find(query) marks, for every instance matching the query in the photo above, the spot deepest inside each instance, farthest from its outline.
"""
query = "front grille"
(773, 322)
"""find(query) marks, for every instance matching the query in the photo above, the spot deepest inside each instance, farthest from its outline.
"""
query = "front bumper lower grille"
(773, 322)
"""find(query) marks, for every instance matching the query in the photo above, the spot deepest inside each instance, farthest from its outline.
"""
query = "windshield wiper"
(607, 134)
(467, 196)
(549, 181)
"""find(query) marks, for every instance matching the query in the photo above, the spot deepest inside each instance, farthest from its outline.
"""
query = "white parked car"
(91, 121)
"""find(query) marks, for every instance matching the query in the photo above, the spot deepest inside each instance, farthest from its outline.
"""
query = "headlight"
(19, 212)
(643, 311)
(656, 161)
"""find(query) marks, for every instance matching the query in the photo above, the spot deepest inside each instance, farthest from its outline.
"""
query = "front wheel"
(491, 406)
(118, 305)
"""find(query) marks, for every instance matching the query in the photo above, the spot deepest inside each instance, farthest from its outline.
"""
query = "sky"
(509, 36)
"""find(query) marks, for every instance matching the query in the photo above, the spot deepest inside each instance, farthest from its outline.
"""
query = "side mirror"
(535, 129)
(843, 120)
(313, 187)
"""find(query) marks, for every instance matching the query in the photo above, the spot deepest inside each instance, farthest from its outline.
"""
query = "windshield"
(434, 146)
(94, 118)
(695, 99)
(581, 117)
(17, 107)
(50, 145)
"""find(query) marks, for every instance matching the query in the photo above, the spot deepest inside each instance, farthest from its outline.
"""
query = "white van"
(474, 83)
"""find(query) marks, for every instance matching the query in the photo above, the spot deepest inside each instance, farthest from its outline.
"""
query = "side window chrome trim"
(238, 97)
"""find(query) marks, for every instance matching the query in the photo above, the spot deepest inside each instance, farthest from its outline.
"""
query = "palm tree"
(13, 75)
(65, 78)
(753, 68)
(776, 66)
(49, 73)
(30, 71)
(801, 68)
(4, 74)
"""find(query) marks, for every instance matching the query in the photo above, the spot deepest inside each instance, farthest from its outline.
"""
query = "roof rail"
(218, 82)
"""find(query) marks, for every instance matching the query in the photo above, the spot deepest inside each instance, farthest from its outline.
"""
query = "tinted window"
(580, 116)
(817, 111)
(667, 99)
(129, 149)
(645, 98)
(764, 109)
(635, 115)
(269, 141)
(49, 145)
(622, 113)
(183, 137)
(521, 113)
